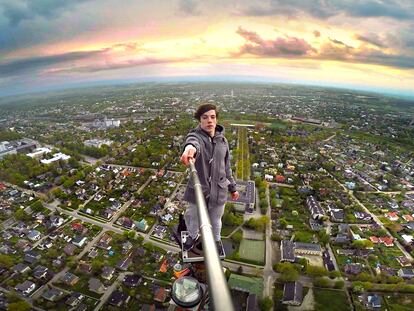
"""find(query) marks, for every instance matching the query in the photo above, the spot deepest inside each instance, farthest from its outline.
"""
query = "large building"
(16, 146)
(314, 208)
(246, 200)
(287, 251)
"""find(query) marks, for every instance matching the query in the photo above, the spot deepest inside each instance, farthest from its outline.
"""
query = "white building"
(39, 152)
(56, 157)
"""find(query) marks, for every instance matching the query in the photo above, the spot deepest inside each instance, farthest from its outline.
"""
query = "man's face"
(208, 122)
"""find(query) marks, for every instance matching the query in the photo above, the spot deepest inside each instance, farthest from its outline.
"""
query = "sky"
(361, 44)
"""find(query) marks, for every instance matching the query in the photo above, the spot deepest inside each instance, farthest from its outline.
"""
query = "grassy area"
(328, 300)
(399, 302)
(252, 250)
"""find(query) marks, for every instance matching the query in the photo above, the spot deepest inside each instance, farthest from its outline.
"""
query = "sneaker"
(189, 243)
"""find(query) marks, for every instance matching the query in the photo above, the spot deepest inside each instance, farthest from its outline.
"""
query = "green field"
(252, 250)
(399, 302)
(326, 299)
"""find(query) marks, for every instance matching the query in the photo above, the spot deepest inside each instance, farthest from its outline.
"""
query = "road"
(374, 217)
(268, 273)
(110, 289)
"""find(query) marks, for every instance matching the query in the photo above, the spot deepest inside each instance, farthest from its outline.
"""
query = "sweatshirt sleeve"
(229, 173)
(192, 140)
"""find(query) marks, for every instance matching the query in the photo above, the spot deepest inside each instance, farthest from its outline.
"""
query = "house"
(352, 269)
(126, 247)
(79, 241)
(74, 299)
(373, 301)
(387, 241)
(107, 213)
(293, 294)
(34, 235)
(56, 221)
(407, 238)
(52, 294)
(374, 239)
(124, 264)
(95, 285)
(70, 279)
(393, 216)
(314, 208)
(31, 257)
(40, 272)
(69, 249)
(26, 288)
(406, 273)
(105, 241)
(107, 272)
(287, 251)
(21, 268)
(337, 214)
(78, 228)
(126, 222)
(307, 249)
(160, 295)
(403, 261)
(280, 179)
(132, 280)
(363, 216)
(85, 267)
(341, 239)
(408, 218)
(119, 298)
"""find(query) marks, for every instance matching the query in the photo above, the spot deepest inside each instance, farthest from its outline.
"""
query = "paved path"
(268, 273)
(110, 289)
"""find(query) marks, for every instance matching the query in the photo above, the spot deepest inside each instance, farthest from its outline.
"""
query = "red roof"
(126, 173)
(388, 241)
(280, 178)
(160, 295)
(164, 266)
(374, 239)
(77, 226)
(408, 217)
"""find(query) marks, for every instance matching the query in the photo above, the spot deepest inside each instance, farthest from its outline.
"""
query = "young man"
(210, 149)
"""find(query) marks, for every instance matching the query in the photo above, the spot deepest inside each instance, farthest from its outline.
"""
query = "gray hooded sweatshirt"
(213, 166)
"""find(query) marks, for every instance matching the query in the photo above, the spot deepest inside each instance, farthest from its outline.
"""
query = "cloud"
(338, 42)
(372, 39)
(332, 49)
(323, 9)
(34, 64)
(189, 7)
(17, 11)
(364, 55)
(116, 65)
(286, 47)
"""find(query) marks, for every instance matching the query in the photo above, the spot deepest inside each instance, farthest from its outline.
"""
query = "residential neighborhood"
(91, 200)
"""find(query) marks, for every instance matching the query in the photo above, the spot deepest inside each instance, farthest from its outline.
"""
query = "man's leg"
(191, 220)
(216, 213)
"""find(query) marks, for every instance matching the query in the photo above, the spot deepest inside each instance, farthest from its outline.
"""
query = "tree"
(362, 244)
(322, 282)
(266, 304)
(339, 284)
(316, 271)
(19, 306)
(6, 261)
(131, 234)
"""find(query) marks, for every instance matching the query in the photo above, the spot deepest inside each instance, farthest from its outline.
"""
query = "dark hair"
(203, 109)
